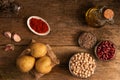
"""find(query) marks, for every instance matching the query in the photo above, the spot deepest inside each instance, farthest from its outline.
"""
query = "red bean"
(105, 50)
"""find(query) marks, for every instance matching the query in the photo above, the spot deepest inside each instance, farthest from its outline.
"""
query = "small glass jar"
(9, 6)
(99, 16)
(15, 7)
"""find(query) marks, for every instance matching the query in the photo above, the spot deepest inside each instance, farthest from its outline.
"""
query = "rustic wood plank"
(8, 69)
(61, 72)
(63, 53)
(61, 33)
(53, 10)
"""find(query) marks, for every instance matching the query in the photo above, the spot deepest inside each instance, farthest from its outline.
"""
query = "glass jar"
(99, 16)
(9, 6)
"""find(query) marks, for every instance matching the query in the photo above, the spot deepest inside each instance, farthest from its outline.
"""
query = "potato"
(43, 65)
(25, 63)
(38, 50)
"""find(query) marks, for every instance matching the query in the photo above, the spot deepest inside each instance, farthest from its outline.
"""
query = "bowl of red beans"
(105, 50)
(38, 25)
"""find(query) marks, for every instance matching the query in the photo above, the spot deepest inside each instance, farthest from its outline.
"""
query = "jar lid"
(108, 13)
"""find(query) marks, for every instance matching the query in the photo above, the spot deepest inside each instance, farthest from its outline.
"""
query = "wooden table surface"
(66, 20)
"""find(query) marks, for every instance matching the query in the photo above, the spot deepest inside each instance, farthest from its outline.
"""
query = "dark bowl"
(95, 50)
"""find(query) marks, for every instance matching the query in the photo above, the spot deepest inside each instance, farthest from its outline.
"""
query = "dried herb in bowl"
(87, 40)
(105, 50)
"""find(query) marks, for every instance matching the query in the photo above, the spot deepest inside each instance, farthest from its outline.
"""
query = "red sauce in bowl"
(38, 25)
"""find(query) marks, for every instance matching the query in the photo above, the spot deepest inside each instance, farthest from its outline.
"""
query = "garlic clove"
(9, 47)
(16, 38)
(7, 34)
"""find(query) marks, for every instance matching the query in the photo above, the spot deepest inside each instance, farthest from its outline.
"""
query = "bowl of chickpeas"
(82, 65)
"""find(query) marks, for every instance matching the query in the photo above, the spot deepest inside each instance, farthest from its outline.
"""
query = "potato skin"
(25, 63)
(43, 65)
(38, 50)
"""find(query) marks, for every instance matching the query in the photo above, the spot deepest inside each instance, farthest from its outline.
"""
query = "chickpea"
(82, 65)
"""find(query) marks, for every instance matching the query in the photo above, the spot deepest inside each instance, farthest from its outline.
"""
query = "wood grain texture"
(105, 70)
(66, 19)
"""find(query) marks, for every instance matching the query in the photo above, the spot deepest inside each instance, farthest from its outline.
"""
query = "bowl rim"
(95, 49)
(37, 17)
